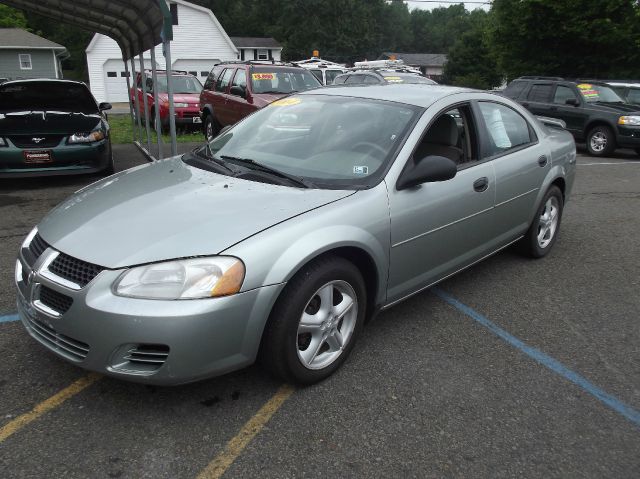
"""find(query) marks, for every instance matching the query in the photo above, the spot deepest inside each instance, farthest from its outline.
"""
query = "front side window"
(25, 61)
(563, 93)
(281, 80)
(317, 73)
(506, 129)
(334, 142)
(331, 75)
(240, 79)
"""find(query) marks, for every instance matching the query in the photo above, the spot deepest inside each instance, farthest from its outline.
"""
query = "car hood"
(168, 210)
(615, 107)
(263, 99)
(46, 122)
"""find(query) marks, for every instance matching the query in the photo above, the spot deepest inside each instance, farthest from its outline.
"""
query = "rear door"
(538, 99)
(221, 98)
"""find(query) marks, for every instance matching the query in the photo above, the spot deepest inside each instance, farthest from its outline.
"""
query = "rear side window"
(515, 88)
(340, 79)
(331, 75)
(540, 93)
(223, 80)
(634, 95)
(317, 74)
(355, 79)
(506, 129)
(211, 79)
(371, 79)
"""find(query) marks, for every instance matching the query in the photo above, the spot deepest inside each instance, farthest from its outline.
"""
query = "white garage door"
(115, 80)
(198, 68)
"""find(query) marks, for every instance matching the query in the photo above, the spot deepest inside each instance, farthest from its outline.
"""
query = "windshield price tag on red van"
(262, 76)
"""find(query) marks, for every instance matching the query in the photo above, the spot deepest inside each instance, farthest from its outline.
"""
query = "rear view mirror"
(427, 170)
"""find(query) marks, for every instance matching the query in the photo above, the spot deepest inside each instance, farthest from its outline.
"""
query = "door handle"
(542, 161)
(481, 184)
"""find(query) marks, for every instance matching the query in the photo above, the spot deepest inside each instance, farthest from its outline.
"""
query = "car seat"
(441, 140)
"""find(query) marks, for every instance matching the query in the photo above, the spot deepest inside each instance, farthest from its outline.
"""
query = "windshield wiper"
(205, 152)
(254, 165)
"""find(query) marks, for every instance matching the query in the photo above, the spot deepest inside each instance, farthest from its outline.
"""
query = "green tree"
(12, 18)
(470, 61)
(569, 38)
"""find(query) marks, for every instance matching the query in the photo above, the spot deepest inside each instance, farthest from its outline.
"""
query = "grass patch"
(120, 128)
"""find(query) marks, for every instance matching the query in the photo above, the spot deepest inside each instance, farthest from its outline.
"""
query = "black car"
(377, 76)
(593, 112)
(629, 92)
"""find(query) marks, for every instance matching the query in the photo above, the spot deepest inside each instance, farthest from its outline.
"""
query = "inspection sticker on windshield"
(262, 76)
(287, 102)
(360, 170)
(588, 91)
(393, 79)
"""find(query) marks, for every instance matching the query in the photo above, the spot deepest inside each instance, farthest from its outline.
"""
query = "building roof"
(18, 38)
(255, 42)
(419, 59)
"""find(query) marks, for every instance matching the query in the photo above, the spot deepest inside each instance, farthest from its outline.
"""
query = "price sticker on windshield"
(588, 91)
(287, 102)
(393, 79)
(262, 76)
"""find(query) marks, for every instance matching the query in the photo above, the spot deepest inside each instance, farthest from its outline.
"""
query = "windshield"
(593, 93)
(281, 80)
(181, 84)
(333, 142)
(47, 96)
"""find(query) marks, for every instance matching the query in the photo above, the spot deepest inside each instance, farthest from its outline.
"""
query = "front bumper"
(183, 117)
(628, 136)
(65, 160)
(148, 341)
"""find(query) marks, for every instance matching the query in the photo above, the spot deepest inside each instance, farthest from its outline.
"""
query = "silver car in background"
(283, 235)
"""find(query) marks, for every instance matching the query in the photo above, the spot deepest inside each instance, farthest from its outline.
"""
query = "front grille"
(75, 270)
(31, 141)
(146, 357)
(59, 302)
(37, 246)
(190, 114)
(68, 347)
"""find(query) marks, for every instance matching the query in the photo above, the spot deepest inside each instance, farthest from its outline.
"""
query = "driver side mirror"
(104, 106)
(238, 91)
(427, 170)
(572, 101)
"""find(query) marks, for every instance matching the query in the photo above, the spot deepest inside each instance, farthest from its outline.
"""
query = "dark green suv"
(593, 112)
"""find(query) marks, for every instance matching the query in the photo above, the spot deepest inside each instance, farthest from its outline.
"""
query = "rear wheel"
(601, 141)
(315, 322)
(543, 232)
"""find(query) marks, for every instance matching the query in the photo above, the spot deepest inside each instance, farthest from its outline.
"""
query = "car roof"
(421, 95)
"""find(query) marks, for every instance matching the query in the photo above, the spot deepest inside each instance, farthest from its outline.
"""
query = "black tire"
(211, 127)
(531, 245)
(601, 141)
(282, 342)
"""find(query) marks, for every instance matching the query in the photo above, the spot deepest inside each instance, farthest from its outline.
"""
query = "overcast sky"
(428, 5)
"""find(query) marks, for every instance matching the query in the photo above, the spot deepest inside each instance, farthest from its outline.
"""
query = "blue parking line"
(8, 318)
(544, 359)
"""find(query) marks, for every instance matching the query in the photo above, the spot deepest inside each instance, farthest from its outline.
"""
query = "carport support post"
(143, 80)
(133, 123)
(135, 97)
(154, 76)
(172, 112)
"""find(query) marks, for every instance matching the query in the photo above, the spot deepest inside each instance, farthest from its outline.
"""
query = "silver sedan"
(281, 237)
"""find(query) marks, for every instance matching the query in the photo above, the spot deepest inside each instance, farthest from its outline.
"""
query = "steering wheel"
(368, 146)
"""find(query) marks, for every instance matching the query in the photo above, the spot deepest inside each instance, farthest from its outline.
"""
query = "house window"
(173, 7)
(25, 61)
(112, 74)
(263, 54)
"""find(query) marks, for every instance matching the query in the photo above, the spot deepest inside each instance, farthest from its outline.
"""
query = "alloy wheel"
(548, 222)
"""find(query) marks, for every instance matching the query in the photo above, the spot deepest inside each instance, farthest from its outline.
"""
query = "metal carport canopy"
(135, 25)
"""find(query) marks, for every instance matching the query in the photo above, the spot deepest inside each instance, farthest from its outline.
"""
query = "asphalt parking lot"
(513, 368)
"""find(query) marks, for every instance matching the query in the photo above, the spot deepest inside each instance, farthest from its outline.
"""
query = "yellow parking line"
(47, 405)
(236, 445)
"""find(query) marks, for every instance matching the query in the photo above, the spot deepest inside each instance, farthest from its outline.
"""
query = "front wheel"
(543, 232)
(315, 322)
(601, 141)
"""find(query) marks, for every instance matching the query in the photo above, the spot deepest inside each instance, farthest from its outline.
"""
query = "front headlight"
(91, 137)
(183, 279)
(629, 120)
(181, 105)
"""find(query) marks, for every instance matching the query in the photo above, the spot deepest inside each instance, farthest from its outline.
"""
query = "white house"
(199, 42)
